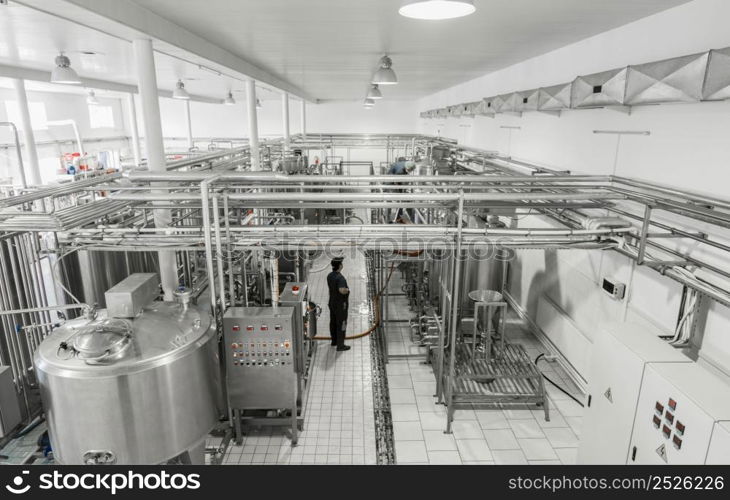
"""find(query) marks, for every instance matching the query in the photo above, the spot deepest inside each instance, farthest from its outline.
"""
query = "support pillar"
(189, 121)
(285, 119)
(134, 129)
(33, 171)
(155, 146)
(253, 125)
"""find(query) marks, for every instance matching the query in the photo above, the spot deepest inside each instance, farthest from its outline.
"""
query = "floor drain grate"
(385, 443)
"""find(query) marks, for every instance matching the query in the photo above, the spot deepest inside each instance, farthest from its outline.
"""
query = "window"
(101, 116)
(38, 117)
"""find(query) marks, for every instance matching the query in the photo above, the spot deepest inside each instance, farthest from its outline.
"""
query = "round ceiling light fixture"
(369, 103)
(63, 73)
(229, 101)
(91, 99)
(180, 92)
(374, 92)
(435, 10)
(385, 74)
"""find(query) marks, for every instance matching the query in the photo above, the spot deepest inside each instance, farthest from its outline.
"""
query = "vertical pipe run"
(285, 119)
(28, 136)
(18, 152)
(454, 314)
(134, 129)
(253, 126)
(155, 146)
(219, 252)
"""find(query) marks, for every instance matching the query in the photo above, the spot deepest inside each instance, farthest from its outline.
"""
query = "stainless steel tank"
(483, 267)
(138, 391)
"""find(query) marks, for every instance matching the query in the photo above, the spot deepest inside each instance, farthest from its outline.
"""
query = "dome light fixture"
(91, 99)
(229, 101)
(369, 103)
(385, 74)
(435, 10)
(180, 92)
(374, 92)
(63, 73)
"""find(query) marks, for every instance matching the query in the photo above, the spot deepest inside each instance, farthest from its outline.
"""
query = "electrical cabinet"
(682, 417)
(260, 370)
(719, 452)
(620, 354)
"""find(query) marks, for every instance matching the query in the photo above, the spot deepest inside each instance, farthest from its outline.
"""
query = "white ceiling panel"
(330, 48)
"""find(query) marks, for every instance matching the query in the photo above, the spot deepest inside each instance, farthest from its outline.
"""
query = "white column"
(134, 129)
(155, 146)
(304, 117)
(285, 118)
(188, 118)
(253, 125)
(32, 166)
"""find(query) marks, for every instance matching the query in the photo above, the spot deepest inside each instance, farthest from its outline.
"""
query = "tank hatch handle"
(100, 457)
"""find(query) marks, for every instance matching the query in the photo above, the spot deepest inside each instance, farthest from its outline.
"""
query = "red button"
(236, 328)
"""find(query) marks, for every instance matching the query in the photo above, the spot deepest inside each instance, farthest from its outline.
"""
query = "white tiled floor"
(339, 423)
(340, 428)
(480, 436)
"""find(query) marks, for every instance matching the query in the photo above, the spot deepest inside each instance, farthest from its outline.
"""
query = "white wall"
(215, 120)
(688, 147)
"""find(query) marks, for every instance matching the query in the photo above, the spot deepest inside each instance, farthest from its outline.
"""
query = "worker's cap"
(410, 165)
(337, 262)
(401, 158)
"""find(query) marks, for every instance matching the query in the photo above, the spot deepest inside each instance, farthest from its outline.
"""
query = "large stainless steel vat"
(139, 391)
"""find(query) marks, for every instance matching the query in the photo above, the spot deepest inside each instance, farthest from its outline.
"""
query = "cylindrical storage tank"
(140, 391)
(483, 268)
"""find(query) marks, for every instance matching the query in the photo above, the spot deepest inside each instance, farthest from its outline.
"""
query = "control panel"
(260, 357)
(679, 408)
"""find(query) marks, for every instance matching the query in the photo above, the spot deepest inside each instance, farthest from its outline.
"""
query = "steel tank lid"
(163, 332)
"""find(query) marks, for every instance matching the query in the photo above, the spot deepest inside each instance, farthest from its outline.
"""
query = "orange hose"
(376, 302)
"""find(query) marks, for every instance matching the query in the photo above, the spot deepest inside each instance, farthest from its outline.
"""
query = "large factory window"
(38, 116)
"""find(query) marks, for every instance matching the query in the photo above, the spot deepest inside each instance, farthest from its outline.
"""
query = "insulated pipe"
(285, 120)
(21, 168)
(156, 161)
(134, 129)
(253, 126)
(28, 136)
(189, 123)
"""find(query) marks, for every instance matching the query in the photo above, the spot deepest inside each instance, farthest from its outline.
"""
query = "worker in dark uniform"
(338, 304)
(401, 167)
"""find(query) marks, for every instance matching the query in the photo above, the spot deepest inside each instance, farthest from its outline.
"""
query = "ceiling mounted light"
(180, 92)
(258, 103)
(63, 73)
(437, 9)
(385, 74)
(229, 101)
(91, 99)
(374, 92)
(369, 103)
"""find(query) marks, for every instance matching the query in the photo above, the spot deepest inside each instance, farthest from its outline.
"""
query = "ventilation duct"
(528, 100)
(600, 89)
(486, 107)
(470, 108)
(673, 80)
(511, 103)
(555, 98)
(454, 111)
(424, 114)
(691, 78)
(442, 113)
(717, 80)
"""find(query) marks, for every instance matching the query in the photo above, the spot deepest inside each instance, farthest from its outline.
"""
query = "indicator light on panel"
(670, 417)
(657, 421)
(680, 428)
(236, 328)
(672, 404)
(666, 431)
(659, 408)
(677, 442)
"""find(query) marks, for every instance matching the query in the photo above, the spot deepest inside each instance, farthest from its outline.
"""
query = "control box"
(621, 352)
(260, 359)
(682, 416)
